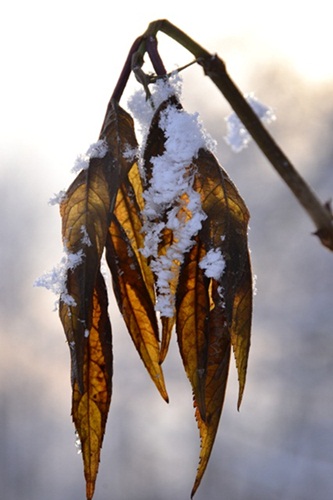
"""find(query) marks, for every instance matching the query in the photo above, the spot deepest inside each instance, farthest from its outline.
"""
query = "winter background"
(60, 62)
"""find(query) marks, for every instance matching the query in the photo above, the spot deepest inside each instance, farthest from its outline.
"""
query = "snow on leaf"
(56, 199)
(173, 213)
(96, 150)
(213, 263)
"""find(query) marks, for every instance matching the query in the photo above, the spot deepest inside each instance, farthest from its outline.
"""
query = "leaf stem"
(126, 71)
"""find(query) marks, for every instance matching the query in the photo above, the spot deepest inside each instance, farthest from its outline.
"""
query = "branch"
(215, 69)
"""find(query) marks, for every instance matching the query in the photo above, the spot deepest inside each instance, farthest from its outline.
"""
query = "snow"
(95, 150)
(85, 240)
(57, 198)
(170, 200)
(55, 279)
(213, 264)
(237, 135)
(78, 443)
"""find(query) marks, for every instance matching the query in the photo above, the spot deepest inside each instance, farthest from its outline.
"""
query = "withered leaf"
(86, 214)
(133, 280)
(168, 247)
(214, 310)
(90, 406)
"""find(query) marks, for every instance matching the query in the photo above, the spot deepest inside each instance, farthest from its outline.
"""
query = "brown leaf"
(226, 229)
(85, 214)
(214, 307)
(168, 241)
(133, 280)
(90, 407)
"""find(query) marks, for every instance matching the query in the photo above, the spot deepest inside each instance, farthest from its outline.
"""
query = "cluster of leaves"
(103, 210)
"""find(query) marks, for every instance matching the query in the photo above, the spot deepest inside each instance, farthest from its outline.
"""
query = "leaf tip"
(90, 489)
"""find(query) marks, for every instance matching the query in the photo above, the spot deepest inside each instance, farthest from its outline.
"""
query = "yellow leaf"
(133, 280)
(90, 406)
(214, 304)
(85, 214)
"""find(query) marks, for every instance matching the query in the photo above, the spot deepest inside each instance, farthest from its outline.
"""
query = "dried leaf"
(133, 280)
(167, 257)
(86, 214)
(214, 310)
(90, 407)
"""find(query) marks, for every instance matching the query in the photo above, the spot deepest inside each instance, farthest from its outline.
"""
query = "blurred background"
(60, 62)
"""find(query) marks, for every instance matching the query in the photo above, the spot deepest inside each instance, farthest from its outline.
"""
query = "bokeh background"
(59, 64)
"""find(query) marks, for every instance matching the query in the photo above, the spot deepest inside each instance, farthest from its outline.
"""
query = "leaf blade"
(222, 300)
(90, 407)
(133, 280)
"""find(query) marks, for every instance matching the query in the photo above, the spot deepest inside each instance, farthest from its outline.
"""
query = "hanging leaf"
(86, 213)
(197, 241)
(214, 300)
(172, 216)
(90, 407)
(133, 280)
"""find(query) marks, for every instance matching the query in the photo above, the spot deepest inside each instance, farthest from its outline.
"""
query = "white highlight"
(237, 135)
(213, 264)
(96, 150)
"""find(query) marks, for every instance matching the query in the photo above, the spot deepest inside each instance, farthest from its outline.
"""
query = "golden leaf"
(85, 214)
(133, 280)
(90, 407)
(213, 308)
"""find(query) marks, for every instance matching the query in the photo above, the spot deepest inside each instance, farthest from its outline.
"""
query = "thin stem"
(151, 46)
(126, 71)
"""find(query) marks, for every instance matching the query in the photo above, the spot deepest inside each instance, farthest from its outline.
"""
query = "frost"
(213, 264)
(85, 240)
(254, 284)
(96, 150)
(130, 153)
(55, 280)
(78, 443)
(57, 198)
(170, 200)
(237, 135)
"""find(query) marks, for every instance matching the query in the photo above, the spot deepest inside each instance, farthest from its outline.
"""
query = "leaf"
(214, 311)
(133, 280)
(90, 407)
(165, 217)
(86, 213)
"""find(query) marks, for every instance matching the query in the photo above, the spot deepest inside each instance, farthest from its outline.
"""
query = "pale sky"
(60, 57)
